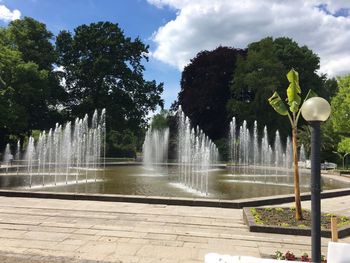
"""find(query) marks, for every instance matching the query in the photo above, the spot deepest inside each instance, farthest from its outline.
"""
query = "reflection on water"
(135, 180)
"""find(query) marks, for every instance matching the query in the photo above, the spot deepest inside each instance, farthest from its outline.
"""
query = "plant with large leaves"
(293, 113)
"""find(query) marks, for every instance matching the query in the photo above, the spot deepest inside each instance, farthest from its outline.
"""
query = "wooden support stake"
(334, 229)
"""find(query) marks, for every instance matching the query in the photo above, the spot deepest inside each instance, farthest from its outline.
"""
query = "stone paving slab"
(50, 230)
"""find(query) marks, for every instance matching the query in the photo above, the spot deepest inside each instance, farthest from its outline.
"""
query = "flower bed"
(289, 256)
(282, 220)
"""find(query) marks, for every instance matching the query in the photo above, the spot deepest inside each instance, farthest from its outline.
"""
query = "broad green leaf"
(294, 107)
(277, 104)
(293, 90)
(292, 75)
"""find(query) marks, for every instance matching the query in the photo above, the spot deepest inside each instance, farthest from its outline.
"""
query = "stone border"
(253, 227)
(237, 204)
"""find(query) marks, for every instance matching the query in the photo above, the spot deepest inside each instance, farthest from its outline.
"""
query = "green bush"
(121, 144)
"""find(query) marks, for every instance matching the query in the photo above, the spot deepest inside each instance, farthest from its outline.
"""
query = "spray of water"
(65, 151)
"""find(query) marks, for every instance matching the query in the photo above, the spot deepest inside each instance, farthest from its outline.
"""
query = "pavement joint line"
(114, 212)
(138, 220)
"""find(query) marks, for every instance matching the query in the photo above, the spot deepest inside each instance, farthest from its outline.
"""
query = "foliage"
(205, 89)
(289, 256)
(344, 145)
(262, 73)
(329, 141)
(294, 102)
(121, 144)
(35, 43)
(33, 40)
(341, 107)
(223, 148)
(160, 120)
(255, 78)
(96, 67)
(284, 217)
(24, 91)
(103, 69)
(279, 255)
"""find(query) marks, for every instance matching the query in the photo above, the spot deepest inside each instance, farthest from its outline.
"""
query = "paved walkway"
(43, 230)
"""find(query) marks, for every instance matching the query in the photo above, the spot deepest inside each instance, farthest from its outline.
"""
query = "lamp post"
(315, 111)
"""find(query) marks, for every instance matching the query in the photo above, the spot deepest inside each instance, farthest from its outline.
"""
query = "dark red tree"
(205, 89)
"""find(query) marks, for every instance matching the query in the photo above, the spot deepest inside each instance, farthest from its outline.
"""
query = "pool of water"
(136, 180)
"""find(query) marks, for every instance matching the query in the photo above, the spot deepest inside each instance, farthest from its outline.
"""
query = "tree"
(121, 144)
(22, 95)
(103, 69)
(255, 78)
(294, 102)
(340, 104)
(344, 148)
(32, 39)
(29, 89)
(329, 140)
(160, 120)
(205, 89)
(261, 73)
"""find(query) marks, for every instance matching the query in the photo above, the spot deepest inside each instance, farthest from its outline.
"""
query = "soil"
(285, 217)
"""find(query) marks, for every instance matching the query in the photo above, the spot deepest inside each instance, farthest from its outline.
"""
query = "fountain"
(233, 144)
(155, 148)
(67, 158)
(7, 155)
(278, 154)
(302, 154)
(256, 160)
(65, 151)
(196, 155)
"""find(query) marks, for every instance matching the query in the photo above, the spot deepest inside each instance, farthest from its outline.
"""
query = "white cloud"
(7, 15)
(206, 24)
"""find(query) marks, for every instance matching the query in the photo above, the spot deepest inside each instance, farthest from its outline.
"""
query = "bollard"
(334, 230)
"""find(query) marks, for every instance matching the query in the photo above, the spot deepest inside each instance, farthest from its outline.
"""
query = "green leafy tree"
(102, 68)
(293, 114)
(121, 144)
(23, 106)
(255, 78)
(33, 40)
(340, 104)
(29, 86)
(261, 73)
(344, 148)
(160, 120)
(329, 140)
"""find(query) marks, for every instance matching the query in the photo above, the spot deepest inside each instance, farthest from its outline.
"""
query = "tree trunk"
(298, 211)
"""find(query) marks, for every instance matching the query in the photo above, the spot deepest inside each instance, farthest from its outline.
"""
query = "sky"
(176, 30)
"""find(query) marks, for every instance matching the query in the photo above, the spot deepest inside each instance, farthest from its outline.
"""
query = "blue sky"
(137, 18)
(176, 30)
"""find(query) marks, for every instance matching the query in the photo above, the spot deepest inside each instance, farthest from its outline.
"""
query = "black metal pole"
(315, 192)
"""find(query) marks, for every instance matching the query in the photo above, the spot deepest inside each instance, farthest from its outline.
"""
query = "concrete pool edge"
(237, 204)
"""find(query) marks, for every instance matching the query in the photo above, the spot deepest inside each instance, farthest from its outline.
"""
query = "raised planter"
(305, 231)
